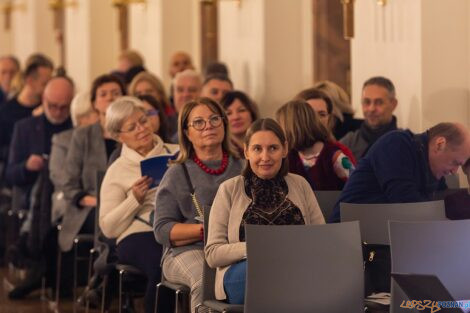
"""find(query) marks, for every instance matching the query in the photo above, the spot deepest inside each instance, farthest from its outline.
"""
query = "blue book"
(156, 167)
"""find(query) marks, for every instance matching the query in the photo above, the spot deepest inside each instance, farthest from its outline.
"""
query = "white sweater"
(118, 206)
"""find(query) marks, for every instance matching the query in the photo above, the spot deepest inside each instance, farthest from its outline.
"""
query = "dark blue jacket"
(395, 170)
(30, 136)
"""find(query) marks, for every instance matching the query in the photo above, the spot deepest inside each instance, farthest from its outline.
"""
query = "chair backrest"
(208, 274)
(439, 248)
(374, 218)
(327, 200)
(99, 181)
(309, 268)
(452, 181)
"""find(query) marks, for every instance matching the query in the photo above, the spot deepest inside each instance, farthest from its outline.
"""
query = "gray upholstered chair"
(440, 248)
(303, 269)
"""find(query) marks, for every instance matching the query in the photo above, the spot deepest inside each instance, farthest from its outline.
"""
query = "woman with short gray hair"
(127, 197)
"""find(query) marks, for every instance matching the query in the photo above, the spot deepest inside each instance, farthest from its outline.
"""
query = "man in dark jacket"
(378, 101)
(27, 169)
(403, 167)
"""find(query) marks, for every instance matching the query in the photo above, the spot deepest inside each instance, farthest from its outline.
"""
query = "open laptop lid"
(421, 287)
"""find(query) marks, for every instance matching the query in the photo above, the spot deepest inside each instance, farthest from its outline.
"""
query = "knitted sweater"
(118, 206)
(223, 246)
(174, 204)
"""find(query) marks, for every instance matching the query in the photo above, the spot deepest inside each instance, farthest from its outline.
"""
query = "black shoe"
(24, 289)
(32, 282)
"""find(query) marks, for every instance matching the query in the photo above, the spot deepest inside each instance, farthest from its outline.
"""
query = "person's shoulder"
(397, 137)
(350, 137)
(173, 148)
(63, 137)
(233, 182)
(296, 180)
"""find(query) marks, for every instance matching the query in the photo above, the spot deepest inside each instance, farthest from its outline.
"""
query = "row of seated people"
(204, 148)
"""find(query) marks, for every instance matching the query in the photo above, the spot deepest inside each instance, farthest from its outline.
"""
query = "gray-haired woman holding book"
(127, 198)
(204, 162)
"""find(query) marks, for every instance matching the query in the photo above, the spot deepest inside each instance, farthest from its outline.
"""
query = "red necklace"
(211, 171)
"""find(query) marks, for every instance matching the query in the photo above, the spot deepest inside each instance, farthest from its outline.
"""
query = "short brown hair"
(266, 124)
(104, 79)
(186, 147)
(314, 93)
(301, 124)
(450, 131)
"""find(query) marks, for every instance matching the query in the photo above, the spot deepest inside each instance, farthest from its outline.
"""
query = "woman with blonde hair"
(312, 153)
(343, 114)
(188, 187)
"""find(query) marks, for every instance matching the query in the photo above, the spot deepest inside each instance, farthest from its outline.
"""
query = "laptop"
(423, 287)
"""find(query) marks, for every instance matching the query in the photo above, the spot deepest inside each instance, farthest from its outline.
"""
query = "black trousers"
(144, 252)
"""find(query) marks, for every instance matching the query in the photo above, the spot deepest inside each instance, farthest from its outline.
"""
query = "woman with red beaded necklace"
(206, 155)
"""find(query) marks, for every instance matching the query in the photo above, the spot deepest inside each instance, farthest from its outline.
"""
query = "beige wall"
(92, 41)
(426, 57)
(6, 37)
(267, 45)
(160, 28)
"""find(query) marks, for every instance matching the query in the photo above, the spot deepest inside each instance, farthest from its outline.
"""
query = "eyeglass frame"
(221, 119)
(138, 123)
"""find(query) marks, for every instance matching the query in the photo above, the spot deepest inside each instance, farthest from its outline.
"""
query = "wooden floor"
(31, 304)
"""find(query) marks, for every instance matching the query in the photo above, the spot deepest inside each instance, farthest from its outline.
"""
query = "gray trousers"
(186, 269)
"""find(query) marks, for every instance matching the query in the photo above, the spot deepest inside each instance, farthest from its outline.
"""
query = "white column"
(267, 45)
(160, 28)
(32, 30)
(422, 46)
(92, 41)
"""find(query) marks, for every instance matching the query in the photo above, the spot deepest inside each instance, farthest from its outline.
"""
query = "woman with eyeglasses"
(264, 194)
(127, 198)
(188, 187)
(89, 151)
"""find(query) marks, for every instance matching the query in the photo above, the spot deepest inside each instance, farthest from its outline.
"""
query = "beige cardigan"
(223, 247)
(119, 207)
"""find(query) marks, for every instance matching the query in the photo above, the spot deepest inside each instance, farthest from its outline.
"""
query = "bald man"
(28, 157)
(179, 62)
(405, 167)
(31, 141)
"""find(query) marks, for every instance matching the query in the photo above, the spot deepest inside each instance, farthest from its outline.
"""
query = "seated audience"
(146, 83)
(403, 167)
(241, 113)
(130, 64)
(343, 120)
(9, 69)
(82, 114)
(265, 194)
(36, 76)
(216, 68)
(27, 163)
(321, 104)
(378, 103)
(216, 86)
(312, 154)
(155, 112)
(206, 158)
(180, 61)
(88, 153)
(127, 198)
(186, 87)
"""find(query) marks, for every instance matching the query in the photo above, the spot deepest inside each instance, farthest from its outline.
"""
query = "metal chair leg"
(156, 297)
(120, 290)
(58, 276)
(90, 267)
(103, 293)
(75, 276)
(177, 301)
